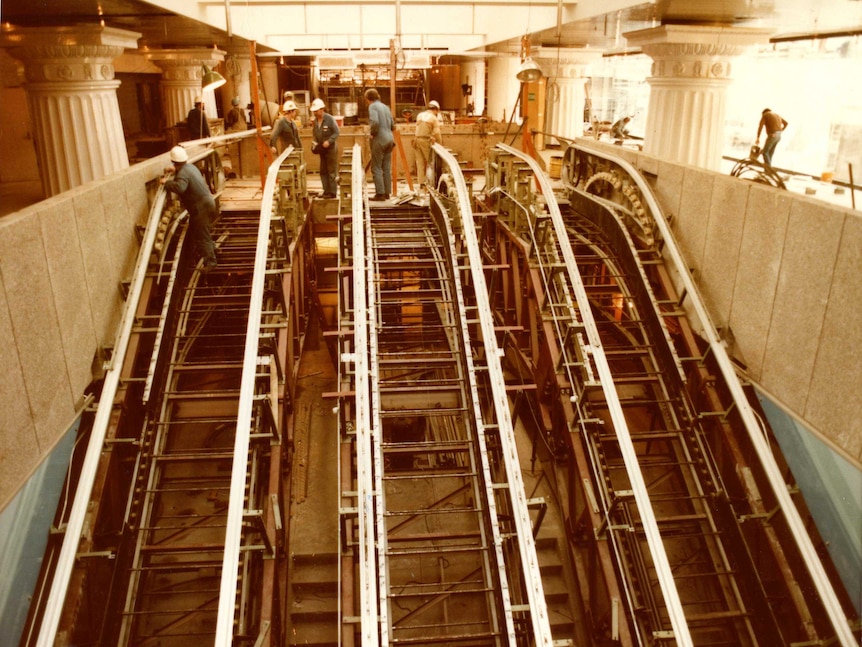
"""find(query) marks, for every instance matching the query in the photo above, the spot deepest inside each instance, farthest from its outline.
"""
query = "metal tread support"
(230, 572)
(502, 422)
(668, 587)
(382, 226)
(825, 590)
(194, 540)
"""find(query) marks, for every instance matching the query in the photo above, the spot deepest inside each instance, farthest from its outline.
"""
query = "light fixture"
(529, 72)
(212, 79)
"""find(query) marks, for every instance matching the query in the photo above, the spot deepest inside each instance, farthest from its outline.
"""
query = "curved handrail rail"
(526, 544)
(615, 410)
(233, 532)
(773, 473)
(101, 422)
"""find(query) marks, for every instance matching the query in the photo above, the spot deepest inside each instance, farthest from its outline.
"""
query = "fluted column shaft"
(182, 73)
(688, 88)
(567, 72)
(72, 98)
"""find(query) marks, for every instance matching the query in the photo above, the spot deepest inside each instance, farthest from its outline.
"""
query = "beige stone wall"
(62, 262)
(784, 272)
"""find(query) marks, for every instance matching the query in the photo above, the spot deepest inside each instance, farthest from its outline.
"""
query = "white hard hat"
(433, 104)
(179, 154)
(198, 100)
(288, 106)
(317, 104)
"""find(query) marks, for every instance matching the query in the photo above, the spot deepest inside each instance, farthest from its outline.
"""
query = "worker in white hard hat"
(325, 143)
(285, 133)
(427, 133)
(199, 127)
(188, 183)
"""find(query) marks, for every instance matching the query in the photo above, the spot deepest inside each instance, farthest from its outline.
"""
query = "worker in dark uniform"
(774, 125)
(186, 181)
(285, 133)
(197, 122)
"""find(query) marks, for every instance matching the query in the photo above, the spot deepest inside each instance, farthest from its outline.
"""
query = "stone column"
(567, 73)
(182, 72)
(688, 88)
(503, 87)
(72, 97)
(473, 74)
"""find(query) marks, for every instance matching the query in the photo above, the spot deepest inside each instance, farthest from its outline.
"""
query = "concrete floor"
(314, 478)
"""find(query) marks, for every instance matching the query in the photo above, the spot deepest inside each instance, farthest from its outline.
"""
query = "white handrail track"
(526, 544)
(814, 565)
(664, 573)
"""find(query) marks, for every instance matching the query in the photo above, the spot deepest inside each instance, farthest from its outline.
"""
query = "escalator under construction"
(538, 436)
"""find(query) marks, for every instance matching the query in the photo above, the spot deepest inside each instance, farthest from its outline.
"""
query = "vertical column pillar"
(473, 74)
(503, 87)
(72, 97)
(182, 72)
(688, 88)
(566, 75)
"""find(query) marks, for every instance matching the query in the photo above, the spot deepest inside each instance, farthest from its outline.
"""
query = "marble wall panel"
(101, 271)
(802, 292)
(648, 165)
(67, 277)
(723, 239)
(139, 195)
(119, 223)
(760, 254)
(61, 264)
(692, 219)
(19, 446)
(833, 404)
(35, 333)
(668, 189)
(628, 154)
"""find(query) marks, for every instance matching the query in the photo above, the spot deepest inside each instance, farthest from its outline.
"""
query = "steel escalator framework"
(438, 545)
(680, 522)
(177, 531)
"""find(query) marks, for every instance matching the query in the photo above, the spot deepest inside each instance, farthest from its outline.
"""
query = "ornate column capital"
(184, 64)
(690, 76)
(567, 63)
(691, 52)
(80, 53)
(182, 74)
(72, 92)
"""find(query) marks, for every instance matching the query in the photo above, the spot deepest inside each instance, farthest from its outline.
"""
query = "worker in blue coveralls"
(188, 183)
